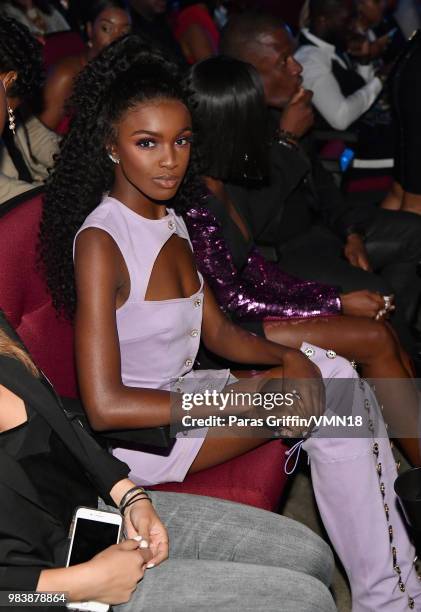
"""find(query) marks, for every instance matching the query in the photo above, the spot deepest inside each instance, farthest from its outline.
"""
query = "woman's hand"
(115, 572)
(361, 303)
(356, 253)
(302, 381)
(365, 304)
(109, 577)
(141, 520)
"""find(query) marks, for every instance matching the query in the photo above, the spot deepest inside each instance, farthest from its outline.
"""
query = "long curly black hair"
(124, 74)
(20, 52)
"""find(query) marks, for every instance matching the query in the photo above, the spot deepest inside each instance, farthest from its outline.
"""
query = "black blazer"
(31, 539)
(299, 191)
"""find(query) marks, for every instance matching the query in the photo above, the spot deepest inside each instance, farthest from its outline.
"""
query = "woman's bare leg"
(374, 346)
(370, 343)
(217, 450)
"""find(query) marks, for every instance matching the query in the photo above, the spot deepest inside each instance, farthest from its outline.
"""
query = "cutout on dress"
(174, 275)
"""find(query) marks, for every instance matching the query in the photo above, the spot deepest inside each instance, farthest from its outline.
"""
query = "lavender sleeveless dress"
(159, 340)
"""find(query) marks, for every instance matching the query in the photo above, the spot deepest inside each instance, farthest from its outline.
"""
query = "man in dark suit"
(301, 211)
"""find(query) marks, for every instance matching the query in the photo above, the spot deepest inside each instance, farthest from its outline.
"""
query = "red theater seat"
(60, 45)
(256, 478)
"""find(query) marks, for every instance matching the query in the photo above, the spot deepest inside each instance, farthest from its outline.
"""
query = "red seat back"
(24, 297)
(60, 45)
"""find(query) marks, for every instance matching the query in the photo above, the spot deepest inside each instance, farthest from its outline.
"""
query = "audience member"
(319, 236)
(26, 147)
(134, 303)
(107, 20)
(406, 191)
(341, 94)
(149, 21)
(408, 16)
(39, 16)
(49, 465)
(390, 27)
(148, 79)
(227, 99)
(73, 11)
(195, 30)
(370, 13)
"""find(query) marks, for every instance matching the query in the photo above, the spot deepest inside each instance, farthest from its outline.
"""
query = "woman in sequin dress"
(256, 293)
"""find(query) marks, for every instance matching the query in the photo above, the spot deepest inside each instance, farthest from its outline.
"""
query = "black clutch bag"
(156, 440)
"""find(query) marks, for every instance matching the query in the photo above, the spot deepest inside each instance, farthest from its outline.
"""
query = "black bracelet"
(128, 496)
(133, 500)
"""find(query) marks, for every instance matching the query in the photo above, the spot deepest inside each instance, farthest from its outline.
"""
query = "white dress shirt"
(339, 111)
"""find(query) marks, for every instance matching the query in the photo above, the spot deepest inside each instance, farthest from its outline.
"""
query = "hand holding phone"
(92, 532)
(115, 573)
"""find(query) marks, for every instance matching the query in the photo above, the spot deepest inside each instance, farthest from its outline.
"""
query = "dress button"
(178, 389)
(197, 303)
(181, 379)
(309, 352)
(330, 354)
(188, 363)
(194, 333)
(171, 225)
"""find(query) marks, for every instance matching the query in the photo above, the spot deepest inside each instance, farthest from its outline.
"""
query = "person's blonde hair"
(10, 348)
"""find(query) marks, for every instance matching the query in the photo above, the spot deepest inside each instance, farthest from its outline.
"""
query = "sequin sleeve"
(262, 291)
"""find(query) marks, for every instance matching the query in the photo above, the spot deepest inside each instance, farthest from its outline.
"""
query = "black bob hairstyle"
(230, 119)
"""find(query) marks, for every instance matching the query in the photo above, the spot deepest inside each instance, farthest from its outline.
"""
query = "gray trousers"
(233, 558)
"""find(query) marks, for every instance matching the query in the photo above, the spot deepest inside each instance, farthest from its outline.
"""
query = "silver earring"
(246, 157)
(12, 124)
(113, 159)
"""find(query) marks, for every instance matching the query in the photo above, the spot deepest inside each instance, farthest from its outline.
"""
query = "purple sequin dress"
(245, 284)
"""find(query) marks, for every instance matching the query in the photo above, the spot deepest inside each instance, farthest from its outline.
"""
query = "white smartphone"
(92, 531)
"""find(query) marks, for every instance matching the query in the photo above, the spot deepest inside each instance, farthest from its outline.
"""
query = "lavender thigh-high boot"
(353, 481)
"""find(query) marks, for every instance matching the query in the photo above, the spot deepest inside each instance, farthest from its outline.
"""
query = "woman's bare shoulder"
(68, 67)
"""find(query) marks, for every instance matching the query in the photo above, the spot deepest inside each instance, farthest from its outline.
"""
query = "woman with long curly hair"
(34, 424)
(27, 147)
(119, 184)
